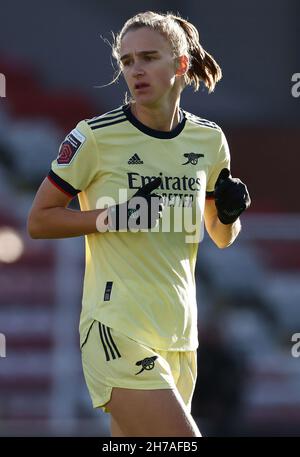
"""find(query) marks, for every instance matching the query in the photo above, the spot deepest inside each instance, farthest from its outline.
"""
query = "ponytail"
(203, 66)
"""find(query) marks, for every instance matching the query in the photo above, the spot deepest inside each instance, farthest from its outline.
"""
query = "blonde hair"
(184, 39)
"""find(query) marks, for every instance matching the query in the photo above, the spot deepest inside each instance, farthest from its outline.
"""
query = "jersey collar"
(152, 132)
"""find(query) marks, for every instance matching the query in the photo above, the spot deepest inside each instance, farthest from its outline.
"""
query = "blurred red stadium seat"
(29, 98)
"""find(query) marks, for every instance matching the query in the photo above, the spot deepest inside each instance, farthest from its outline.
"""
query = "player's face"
(149, 66)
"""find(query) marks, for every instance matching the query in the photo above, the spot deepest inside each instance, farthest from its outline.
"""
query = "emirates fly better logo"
(183, 202)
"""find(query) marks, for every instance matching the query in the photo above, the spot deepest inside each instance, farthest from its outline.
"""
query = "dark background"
(53, 57)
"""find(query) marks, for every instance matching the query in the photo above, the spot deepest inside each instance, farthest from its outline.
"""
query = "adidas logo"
(134, 160)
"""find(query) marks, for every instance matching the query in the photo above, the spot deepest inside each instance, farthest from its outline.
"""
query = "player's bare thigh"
(150, 413)
(115, 429)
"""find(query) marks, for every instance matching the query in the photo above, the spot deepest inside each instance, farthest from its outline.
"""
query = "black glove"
(231, 197)
(122, 216)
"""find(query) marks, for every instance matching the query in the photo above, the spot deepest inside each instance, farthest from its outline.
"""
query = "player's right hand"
(141, 211)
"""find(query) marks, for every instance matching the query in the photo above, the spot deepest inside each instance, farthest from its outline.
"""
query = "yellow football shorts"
(111, 359)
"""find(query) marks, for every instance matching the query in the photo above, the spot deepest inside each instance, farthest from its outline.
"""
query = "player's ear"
(182, 65)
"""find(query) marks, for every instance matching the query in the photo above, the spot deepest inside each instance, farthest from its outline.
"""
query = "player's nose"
(137, 70)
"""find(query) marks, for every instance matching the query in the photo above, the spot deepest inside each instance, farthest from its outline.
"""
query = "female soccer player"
(132, 169)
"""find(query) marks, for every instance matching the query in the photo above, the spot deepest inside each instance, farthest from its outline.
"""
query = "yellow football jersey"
(142, 283)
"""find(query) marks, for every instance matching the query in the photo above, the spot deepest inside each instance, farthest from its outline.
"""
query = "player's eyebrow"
(141, 53)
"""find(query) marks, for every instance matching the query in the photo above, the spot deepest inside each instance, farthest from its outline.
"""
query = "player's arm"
(222, 235)
(49, 216)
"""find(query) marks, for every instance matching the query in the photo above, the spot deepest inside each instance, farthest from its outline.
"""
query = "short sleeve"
(77, 162)
(222, 161)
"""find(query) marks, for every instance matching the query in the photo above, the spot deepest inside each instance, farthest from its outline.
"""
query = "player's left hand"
(231, 197)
